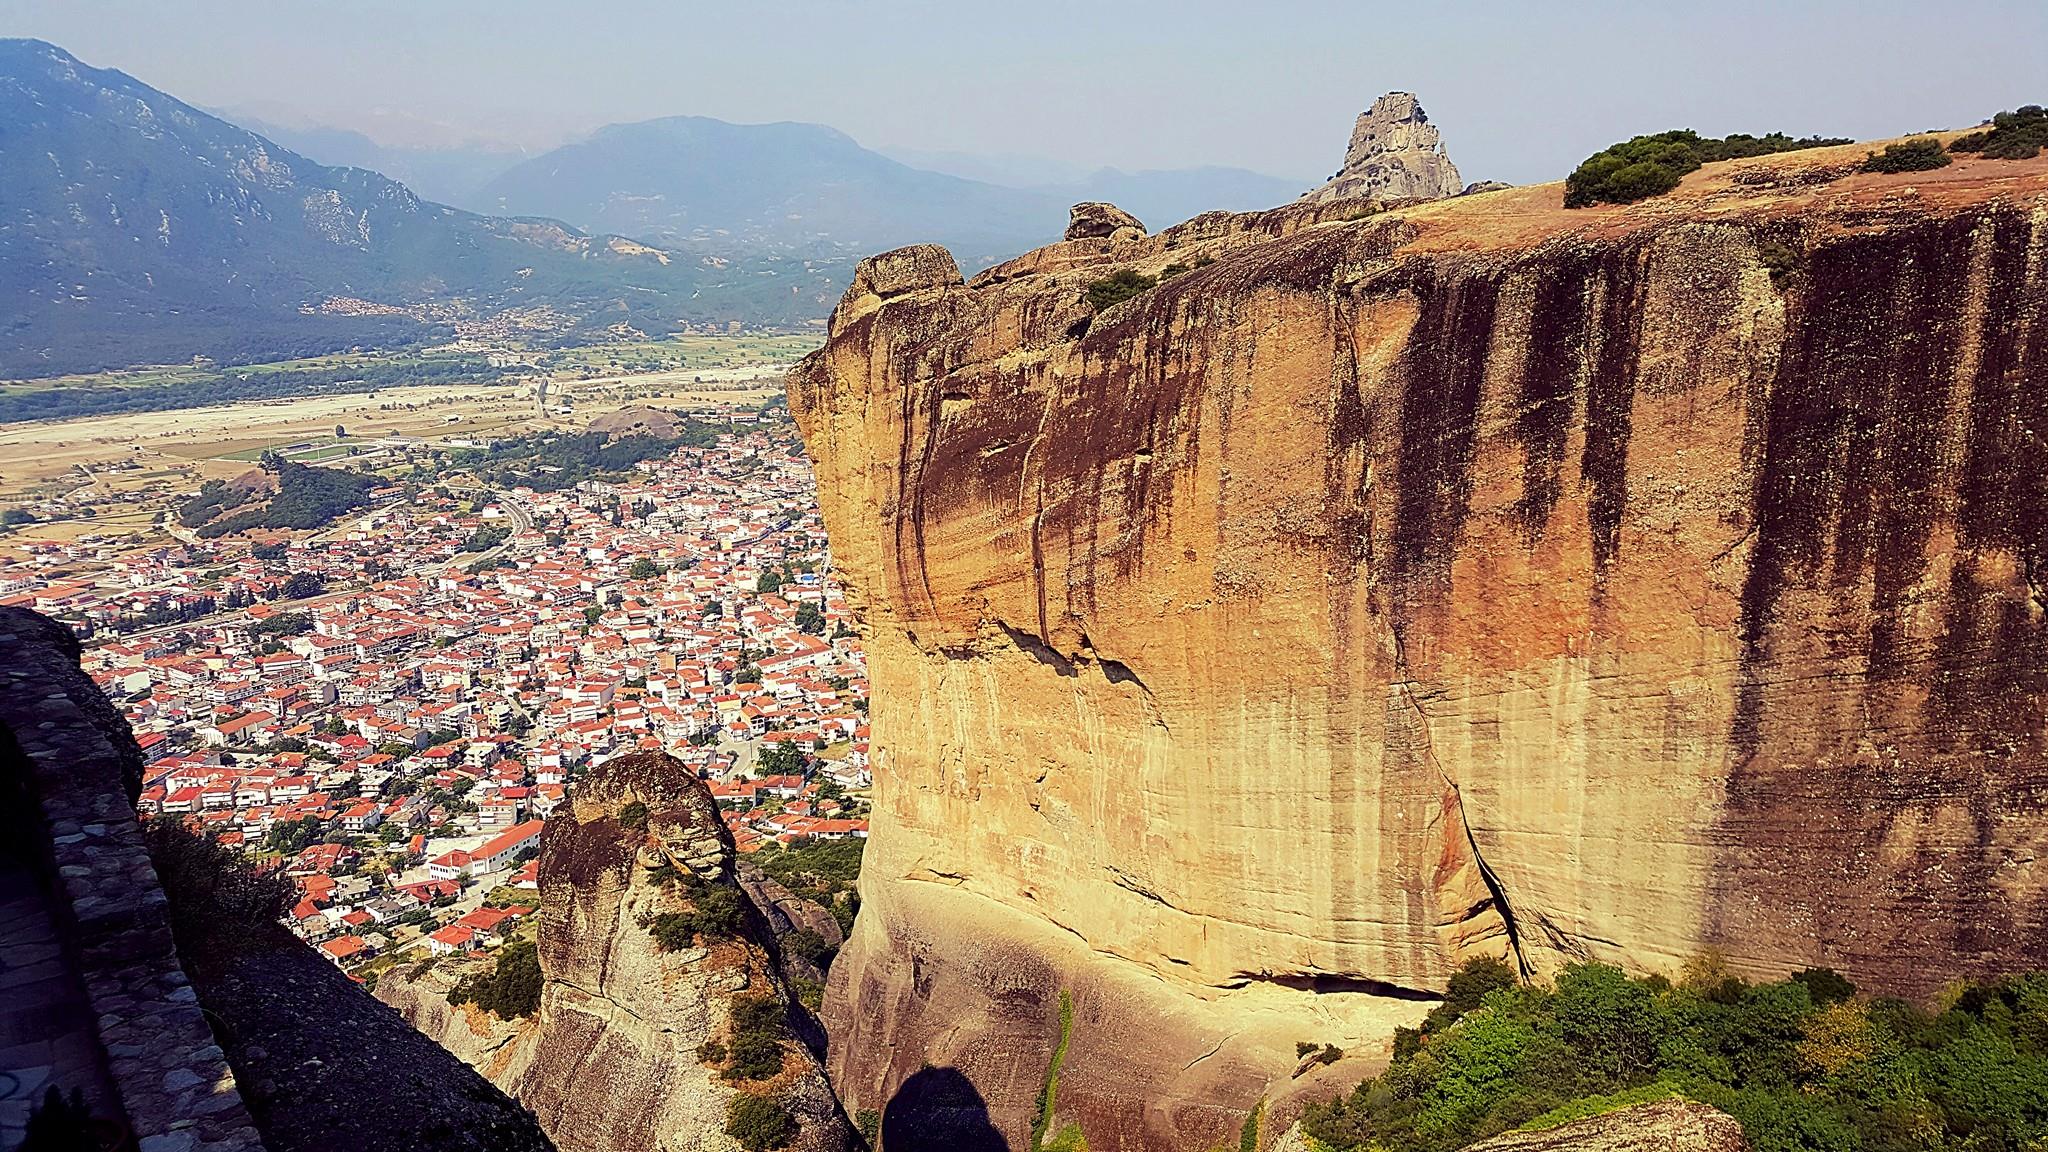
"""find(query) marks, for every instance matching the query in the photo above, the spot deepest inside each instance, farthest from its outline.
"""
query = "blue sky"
(1521, 91)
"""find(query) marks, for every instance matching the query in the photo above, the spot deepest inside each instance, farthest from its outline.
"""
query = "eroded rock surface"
(612, 1058)
(1469, 578)
(1395, 154)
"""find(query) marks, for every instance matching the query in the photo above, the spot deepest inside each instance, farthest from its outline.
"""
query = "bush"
(1118, 287)
(1922, 155)
(2016, 135)
(759, 1123)
(510, 990)
(220, 902)
(808, 946)
(633, 816)
(717, 914)
(755, 1050)
(1648, 166)
(1825, 985)
(1467, 990)
(1799, 1062)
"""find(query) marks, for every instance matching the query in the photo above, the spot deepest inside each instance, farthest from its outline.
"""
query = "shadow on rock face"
(939, 1110)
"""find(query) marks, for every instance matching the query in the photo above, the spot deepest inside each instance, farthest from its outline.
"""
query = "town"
(390, 707)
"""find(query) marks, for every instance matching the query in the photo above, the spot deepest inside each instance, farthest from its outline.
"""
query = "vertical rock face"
(1395, 154)
(1472, 578)
(611, 1061)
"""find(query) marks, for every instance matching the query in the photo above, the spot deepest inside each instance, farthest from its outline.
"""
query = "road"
(521, 521)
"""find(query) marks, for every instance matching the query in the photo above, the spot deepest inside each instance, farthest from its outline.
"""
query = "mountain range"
(137, 228)
(708, 185)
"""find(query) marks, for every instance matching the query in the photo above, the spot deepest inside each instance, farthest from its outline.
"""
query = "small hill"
(659, 423)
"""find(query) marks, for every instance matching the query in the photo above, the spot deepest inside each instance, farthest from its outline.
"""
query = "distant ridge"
(136, 228)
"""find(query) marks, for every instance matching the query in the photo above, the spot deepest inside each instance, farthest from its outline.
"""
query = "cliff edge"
(1388, 587)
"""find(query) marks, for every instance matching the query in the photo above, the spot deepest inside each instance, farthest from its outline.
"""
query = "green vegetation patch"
(510, 989)
(822, 870)
(1922, 155)
(306, 498)
(2016, 135)
(1068, 1137)
(755, 1050)
(548, 462)
(1118, 287)
(1601, 1105)
(1648, 166)
(1799, 1062)
(221, 903)
(759, 1123)
(168, 389)
(715, 914)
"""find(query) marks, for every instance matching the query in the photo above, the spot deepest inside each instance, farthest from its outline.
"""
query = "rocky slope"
(1675, 1125)
(1475, 577)
(612, 1058)
(1395, 154)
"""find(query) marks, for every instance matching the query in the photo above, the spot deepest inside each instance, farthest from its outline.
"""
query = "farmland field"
(112, 475)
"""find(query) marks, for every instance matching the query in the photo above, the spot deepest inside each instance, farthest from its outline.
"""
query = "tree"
(643, 569)
(1922, 155)
(810, 619)
(300, 585)
(509, 990)
(759, 1123)
(781, 758)
(770, 582)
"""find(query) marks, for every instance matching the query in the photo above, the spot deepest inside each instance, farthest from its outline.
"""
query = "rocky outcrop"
(1092, 220)
(1395, 154)
(614, 1058)
(1675, 1125)
(1468, 578)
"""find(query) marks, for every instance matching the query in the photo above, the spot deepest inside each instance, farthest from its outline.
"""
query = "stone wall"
(69, 749)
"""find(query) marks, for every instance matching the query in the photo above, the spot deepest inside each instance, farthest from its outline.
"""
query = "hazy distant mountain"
(134, 228)
(1161, 198)
(706, 185)
(1009, 169)
(450, 175)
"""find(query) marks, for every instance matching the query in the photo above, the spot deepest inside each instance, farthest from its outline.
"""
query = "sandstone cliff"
(614, 1059)
(1395, 154)
(1475, 577)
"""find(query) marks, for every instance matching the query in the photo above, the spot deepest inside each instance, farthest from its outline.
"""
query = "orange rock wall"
(1470, 578)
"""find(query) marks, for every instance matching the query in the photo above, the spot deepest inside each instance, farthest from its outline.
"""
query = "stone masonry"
(74, 756)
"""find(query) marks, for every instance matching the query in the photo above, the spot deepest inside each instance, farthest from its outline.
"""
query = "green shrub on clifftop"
(220, 902)
(1922, 155)
(1118, 287)
(2016, 135)
(1646, 166)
